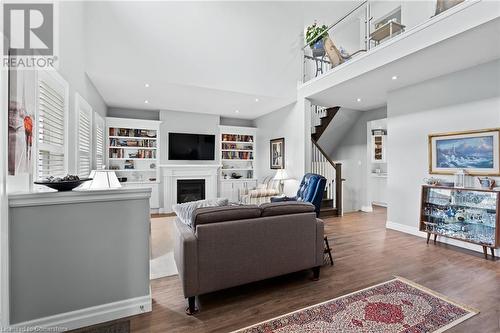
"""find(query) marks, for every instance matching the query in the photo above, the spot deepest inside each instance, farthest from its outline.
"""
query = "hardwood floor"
(365, 253)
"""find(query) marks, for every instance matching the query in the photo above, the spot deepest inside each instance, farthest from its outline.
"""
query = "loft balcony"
(395, 44)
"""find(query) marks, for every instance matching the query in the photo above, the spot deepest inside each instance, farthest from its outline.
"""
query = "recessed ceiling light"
(237, 111)
(358, 100)
(146, 102)
(256, 99)
(146, 85)
(395, 77)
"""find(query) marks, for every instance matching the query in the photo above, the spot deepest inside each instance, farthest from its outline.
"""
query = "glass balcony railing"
(368, 25)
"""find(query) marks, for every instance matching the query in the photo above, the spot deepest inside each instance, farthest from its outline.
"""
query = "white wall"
(133, 113)
(351, 151)
(187, 122)
(237, 122)
(72, 59)
(331, 138)
(290, 123)
(461, 101)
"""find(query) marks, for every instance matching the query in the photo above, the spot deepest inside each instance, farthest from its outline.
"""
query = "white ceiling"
(471, 48)
(208, 57)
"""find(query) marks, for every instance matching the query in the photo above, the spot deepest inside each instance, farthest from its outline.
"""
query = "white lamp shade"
(281, 175)
(101, 180)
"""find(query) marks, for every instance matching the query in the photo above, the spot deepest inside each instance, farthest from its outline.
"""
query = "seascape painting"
(476, 152)
(465, 153)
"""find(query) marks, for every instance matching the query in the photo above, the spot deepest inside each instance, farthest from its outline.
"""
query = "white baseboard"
(90, 316)
(367, 209)
(445, 240)
(165, 211)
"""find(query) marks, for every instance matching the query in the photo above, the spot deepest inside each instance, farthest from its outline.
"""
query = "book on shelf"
(237, 138)
(132, 143)
(132, 132)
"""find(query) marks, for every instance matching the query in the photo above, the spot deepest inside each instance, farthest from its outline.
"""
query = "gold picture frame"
(476, 151)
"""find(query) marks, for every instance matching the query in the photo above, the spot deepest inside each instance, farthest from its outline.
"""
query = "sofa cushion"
(184, 211)
(227, 213)
(285, 208)
(259, 193)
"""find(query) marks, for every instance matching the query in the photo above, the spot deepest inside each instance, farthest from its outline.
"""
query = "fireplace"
(190, 190)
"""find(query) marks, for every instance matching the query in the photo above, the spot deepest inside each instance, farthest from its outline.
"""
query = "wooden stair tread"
(324, 122)
(327, 203)
(327, 212)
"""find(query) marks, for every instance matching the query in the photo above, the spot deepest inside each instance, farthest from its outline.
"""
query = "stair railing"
(321, 164)
(317, 112)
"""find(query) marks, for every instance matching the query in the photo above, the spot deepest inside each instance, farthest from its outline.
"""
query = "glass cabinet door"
(462, 214)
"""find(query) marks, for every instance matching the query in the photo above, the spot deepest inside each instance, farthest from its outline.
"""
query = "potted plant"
(315, 35)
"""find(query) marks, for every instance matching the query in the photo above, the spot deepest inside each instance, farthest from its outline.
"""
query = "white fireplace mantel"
(170, 173)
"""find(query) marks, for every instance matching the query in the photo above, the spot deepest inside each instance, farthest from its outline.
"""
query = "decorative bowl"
(64, 185)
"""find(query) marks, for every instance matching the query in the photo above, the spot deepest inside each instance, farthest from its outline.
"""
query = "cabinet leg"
(428, 237)
(492, 253)
(328, 250)
(316, 273)
(485, 251)
(435, 237)
(191, 310)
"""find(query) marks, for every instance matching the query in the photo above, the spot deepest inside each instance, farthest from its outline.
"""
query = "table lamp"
(281, 175)
(101, 180)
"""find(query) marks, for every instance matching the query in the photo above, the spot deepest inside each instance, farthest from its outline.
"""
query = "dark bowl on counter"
(122, 179)
(64, 185)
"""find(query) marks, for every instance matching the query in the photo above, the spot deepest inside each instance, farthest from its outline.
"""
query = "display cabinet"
(469, 215)
(378, 145)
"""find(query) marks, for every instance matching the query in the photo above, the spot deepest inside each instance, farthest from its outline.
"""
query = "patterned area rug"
(398, 305)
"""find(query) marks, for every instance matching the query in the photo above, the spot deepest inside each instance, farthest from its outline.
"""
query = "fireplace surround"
(172, 173)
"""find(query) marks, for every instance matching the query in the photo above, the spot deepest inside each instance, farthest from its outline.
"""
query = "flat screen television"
(191, 147)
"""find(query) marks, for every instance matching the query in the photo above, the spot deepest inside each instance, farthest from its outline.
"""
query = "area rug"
(162, 248)
(398, 305)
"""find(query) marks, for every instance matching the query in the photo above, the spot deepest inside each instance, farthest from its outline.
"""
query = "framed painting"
(21, 120)
(277, 152)
(477, 152)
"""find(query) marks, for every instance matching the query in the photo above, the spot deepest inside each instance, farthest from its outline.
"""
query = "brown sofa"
(233, 245)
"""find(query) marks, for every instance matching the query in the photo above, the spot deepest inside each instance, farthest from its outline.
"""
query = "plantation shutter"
(99, 142)
(52, 95)
(84, 137)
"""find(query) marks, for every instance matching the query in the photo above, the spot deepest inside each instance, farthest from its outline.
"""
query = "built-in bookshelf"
(237, 152)
(237, 156)
(133, 152)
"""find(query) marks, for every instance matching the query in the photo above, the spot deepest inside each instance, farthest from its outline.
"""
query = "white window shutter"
(99, 141)
(52, 125)
(84, 132)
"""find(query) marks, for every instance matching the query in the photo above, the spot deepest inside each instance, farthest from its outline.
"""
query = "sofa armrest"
(320, 241)
(186, 257)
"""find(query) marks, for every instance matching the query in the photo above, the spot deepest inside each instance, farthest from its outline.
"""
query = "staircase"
(322, 164)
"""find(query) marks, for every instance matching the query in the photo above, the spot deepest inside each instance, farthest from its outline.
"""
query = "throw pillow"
(184, 211)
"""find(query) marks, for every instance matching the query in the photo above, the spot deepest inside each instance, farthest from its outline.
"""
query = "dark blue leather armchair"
(311, 190)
